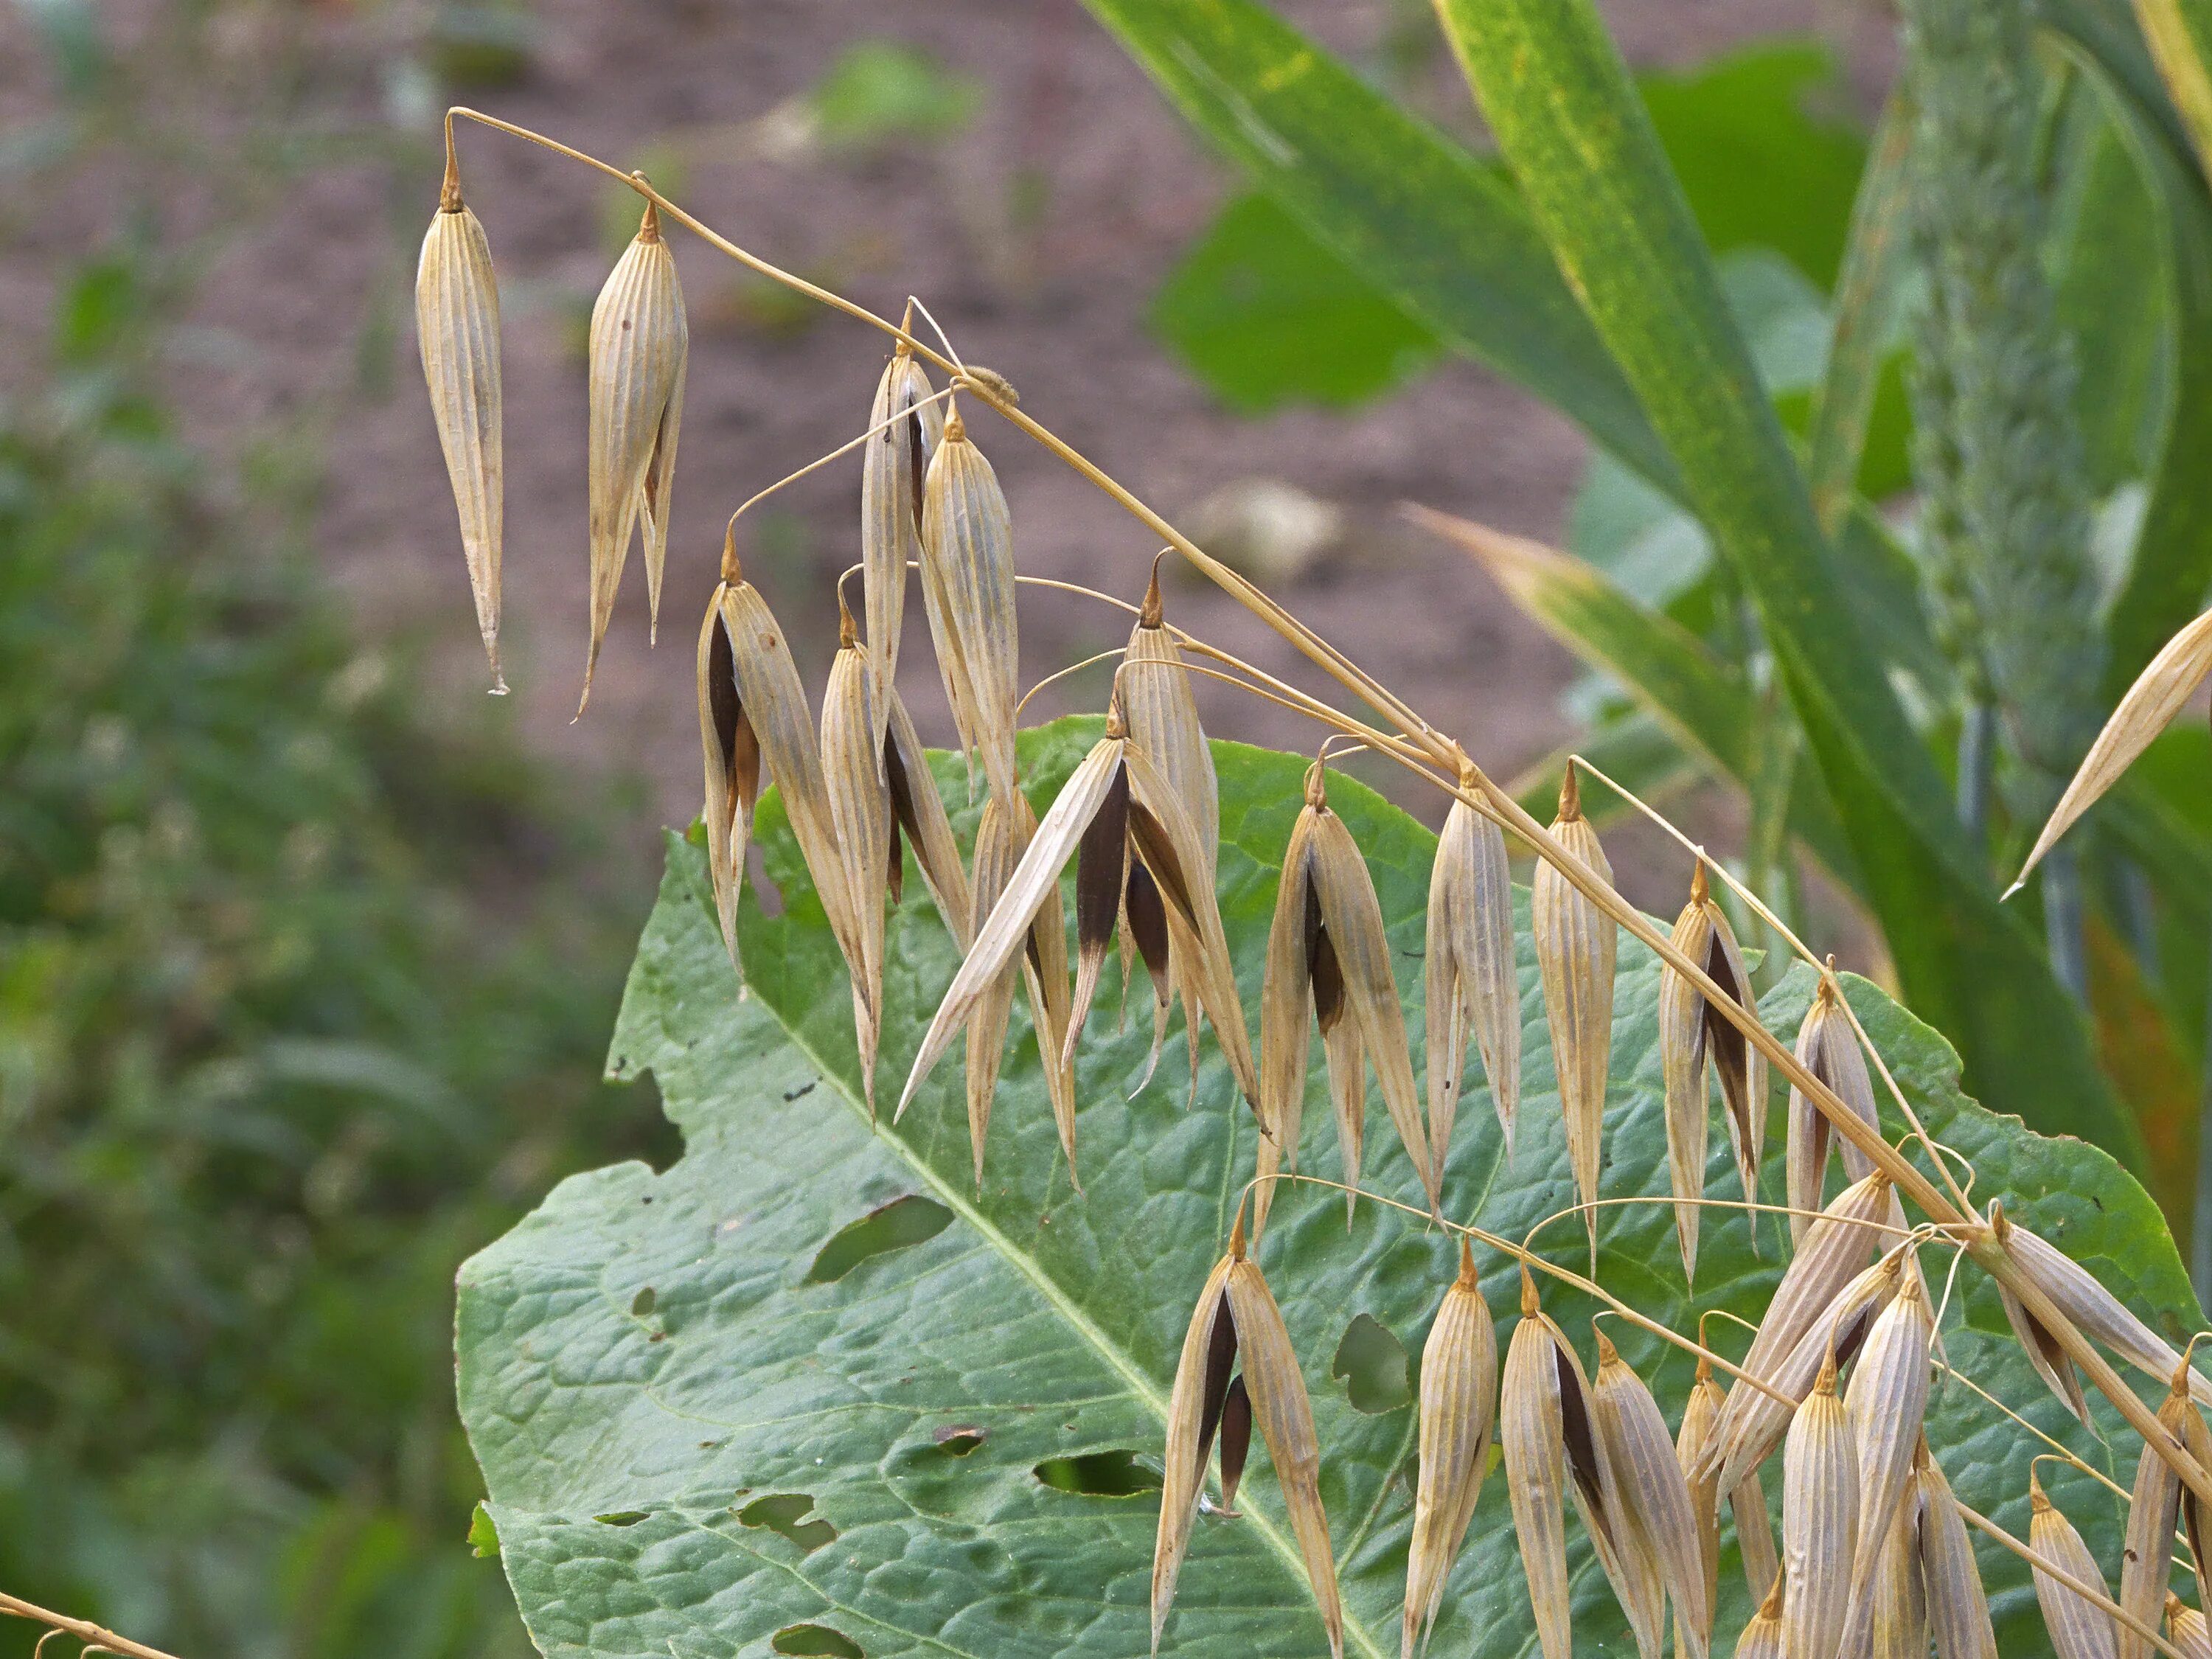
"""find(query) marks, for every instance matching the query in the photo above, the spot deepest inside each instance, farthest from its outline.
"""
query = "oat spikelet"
(1655, 1503)
(1576, 943)
(2096, 1311)
(639, 344)
(1471, 982)
(1700, 1413)
(1887, 1402)
(1236, 1321)
(2149, 706)
(968, 553)
(1900, 1598)
(1820, 1521)
(1693, 1039)
(1958, 1607)
(1352, 917)
(2185, 1629)
(919, 810)
(860, 813)
(892, 466)
(2079, 1629)
(733, 772)
(1762, 1637)
(2159, 1502)
(996, 855)
(1458, 1411)
(457, 320)
(1828, 1047)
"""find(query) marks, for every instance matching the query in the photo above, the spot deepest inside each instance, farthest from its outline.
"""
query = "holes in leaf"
(785, 1513)
(641, 1303)
(1098, 1474)
(1372, 1363)
(621, 1517)
(903, 1221)
(958, 1439)
(817, 1639)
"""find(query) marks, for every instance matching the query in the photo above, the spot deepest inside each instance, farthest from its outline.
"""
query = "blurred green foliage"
(291, 1022)
(881, 91)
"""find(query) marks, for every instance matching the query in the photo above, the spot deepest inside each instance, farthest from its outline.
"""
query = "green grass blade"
(1558, 97)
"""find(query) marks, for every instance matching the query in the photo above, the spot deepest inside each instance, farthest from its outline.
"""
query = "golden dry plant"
(1877, 1552)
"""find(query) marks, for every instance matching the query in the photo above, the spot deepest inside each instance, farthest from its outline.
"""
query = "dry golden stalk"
(1749, 1432)
(2151, 703)
(1887, 1402)
(1693, 1038)
(1351, 917)
(1828, 1047)
(1471, 982)
(1958, 1608)
(1762, 1637)
(1575, 948)
(891, 471)
(1236, 1320)
(1655, 1503)
(2078, 1629)
(1820, 1521)
(1552, 1451)
(968, 577)
(457, 320)
(1900, 1598)
(733, 772)
(2157, 1505)
(2185, 1629)
(1834, 1252)
(639, 346)
(995, 856)
(1458, 1411)
(860, 813)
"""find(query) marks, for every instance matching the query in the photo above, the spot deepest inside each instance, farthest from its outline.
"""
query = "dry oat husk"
(1576, 943)
(2158, 694)
(2185, 1629)
(2157, 1505)
(1820, 1521)
(967, 582)
(1827, 1047)
(995, 857)
(640, 343)
(1457, 1414)
(892, 466)
(733, 772)
(860, 813)
(1693, 1039)
(1762, 1637)
(1958, 1607)
(2079, 1629)
(2091, 1307)
(918, 810)
(1900, 1598)
(1237, 1322)
(1655, 1501)
(1887, 1403)
(1471, 983)
(457, 320)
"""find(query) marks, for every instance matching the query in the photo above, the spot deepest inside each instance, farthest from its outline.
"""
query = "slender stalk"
(1978, 728)
(2062, 920)
(93, 1635)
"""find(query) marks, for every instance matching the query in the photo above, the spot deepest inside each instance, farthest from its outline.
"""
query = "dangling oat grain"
(1576, 943)
(1655, 1502)
(1470, 980)
(1827, 1047)
(1820, 1521)
(2079, 1629)
(1458, 1411)
(968, 553)
(893, 465)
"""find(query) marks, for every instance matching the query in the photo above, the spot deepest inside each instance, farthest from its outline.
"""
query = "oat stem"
(95, 1637)
(2051, 1569)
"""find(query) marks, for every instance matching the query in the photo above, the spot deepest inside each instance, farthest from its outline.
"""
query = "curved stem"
(92, 1635)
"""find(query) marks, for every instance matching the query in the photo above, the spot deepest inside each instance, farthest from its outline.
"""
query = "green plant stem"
(1977, 752)
(2062, 922)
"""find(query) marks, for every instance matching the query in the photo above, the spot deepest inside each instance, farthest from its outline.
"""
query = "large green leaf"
(695, 1439)
(1567, 120)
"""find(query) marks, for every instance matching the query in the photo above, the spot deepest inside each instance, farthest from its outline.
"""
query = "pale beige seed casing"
(1531, 1435)
(1887, 1402)
(995, 856)
(639, 344)
(2154, 1511)
(1576, 943)
(1700, 1413)
(929, 829)
(1900, 1598)
(1183, 1471)
(1827, 1047)
(1471, 984)
(1284, 1416)
(2079, 1629)
(2185, 1629)
(1957, 1607)
(457, 320)
(893, 464)
(1754, 1530)
(1344, 1055)
(1286, 1006)
(2099, 1313)
(860, 812)
(1682, 1067)
(968, 545)
(1353, 917)
(1762, 1637)
(732, 760)
(1654, 1498)
(1458, 1411)
(1820, 1522)
(1161, 710)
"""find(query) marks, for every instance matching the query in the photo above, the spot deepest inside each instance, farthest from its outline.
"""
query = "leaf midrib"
(1356, 1633)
